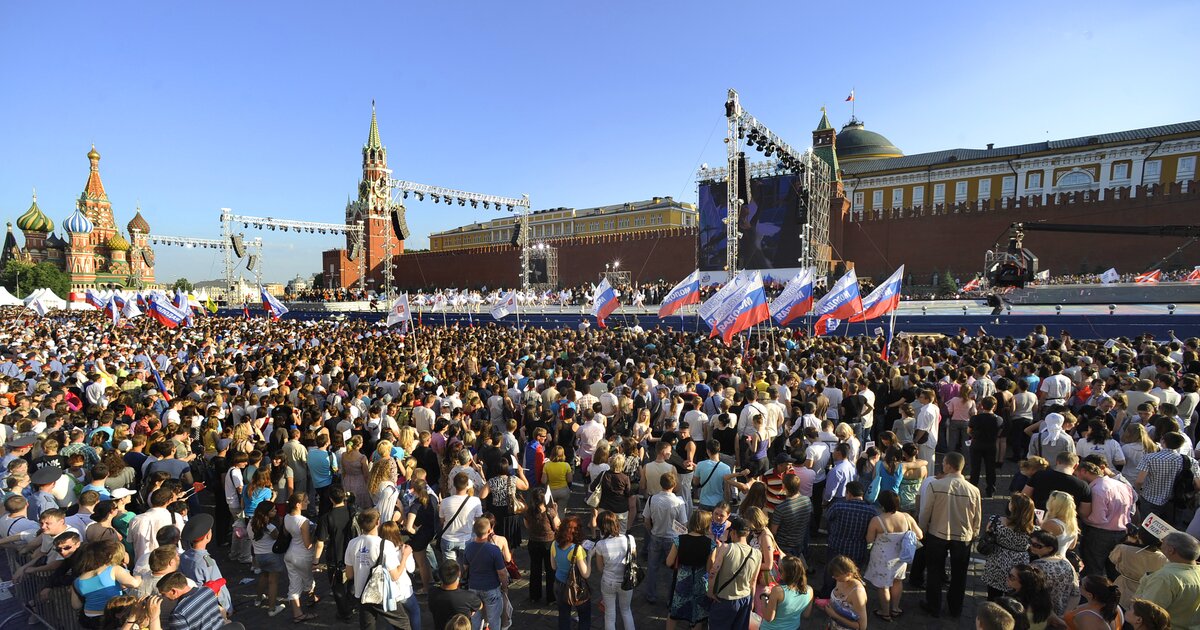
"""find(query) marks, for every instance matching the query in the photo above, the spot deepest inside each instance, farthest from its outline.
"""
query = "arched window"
(1075, 180)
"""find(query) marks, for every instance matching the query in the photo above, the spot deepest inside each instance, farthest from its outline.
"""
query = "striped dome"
(34, 220)
(138, 223)
(77, 223)
(117, 243)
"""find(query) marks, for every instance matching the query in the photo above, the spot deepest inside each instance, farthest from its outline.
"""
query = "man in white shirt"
(697, 421)
(1164, 390)
(928, 421)
(665, 518)
(423, 416)
(1055, 390)
(143, 529)
(457, 515)
(362, 554)
(587, 437)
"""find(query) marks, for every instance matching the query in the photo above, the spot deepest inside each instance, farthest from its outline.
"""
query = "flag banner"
(162, 387)
(131, 310)
(273, 306)
(245, 310)
(1150, 277)
(400, 311)
(796, 299)
(604, 302)
(851, 97)
(711, 309)
(92, 298)
(843, 299)
(113, 310)
(974, 284)
(506, 306)
(119, 299)
(39, 307)
(210, 304)
(164, 312)
(682, 294)
(826, 325)
(749, 309)
(1194, 276)
(1042, 276)
(883, 300)
(1110, 276)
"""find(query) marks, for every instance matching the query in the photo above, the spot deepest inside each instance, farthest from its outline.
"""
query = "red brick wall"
(648, 256)
(957, 241)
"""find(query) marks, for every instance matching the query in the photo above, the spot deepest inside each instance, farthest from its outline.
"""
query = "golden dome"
(93, 155)
(117, 243)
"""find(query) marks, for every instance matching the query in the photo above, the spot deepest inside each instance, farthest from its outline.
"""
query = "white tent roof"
(47, 297)
(7, 299)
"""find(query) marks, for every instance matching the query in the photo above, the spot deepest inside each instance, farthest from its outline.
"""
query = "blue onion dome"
(77, 223)
(34, 220)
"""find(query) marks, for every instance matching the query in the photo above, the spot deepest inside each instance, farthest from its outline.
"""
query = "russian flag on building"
(796, 299)
(748, 310)
(842, 302)
(273, 306)
(1150, 277)
(684, 293)
(604, 301)
(883, 300)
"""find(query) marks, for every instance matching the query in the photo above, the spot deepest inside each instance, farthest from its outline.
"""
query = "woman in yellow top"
(556, 475)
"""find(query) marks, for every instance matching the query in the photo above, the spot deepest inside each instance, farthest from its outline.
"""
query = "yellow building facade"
(559, 223)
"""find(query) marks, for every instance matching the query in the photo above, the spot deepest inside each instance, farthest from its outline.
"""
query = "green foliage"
(182, 284)
(22, 278)
(947, 286)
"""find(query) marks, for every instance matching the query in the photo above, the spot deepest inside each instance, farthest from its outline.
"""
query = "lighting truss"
(765, 168)
(356, 231)
(449, 195)
(255, 245)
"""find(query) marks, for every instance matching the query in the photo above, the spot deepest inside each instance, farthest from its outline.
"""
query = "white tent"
(47, 297)
(7, 299)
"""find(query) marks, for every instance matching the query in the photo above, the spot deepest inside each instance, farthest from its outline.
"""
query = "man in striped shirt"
(196, 607)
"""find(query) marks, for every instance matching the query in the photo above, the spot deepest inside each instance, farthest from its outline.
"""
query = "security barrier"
(50, 606)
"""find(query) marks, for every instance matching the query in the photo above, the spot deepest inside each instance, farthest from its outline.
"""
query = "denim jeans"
(584, 610)
(614, 596)
(659, 548)
(730, 614)
(413, 608)
(493, 606)
(454, 550)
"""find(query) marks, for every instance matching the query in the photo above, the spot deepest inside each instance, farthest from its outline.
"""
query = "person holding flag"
(796, 299)
(682, 294)
(506, 306)
(272, 305)
(883, 300)
(843, 301)
(1150, 277)
(604, 301)
(165, 312)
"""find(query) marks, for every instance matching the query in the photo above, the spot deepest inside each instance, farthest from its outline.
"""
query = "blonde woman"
(762, 539)
(1135, 444)
(381, 485)
(556, 475)
(356, 469)
(1060, 521)
(407, 441)
(845, 435)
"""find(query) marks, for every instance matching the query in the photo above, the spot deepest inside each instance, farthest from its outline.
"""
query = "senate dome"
(854, 143)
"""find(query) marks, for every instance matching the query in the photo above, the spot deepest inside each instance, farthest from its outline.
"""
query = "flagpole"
(891, 335)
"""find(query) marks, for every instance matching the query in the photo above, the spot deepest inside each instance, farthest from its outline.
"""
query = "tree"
(948, 286)
(318, 281)
(182, 284)
(22, 278)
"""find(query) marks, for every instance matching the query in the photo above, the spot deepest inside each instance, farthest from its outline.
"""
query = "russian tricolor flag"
(274, 307)
(842, 302)
(160, 309)
(684, 293)
(748, 310)
(90, 297)
(162, 387)
(883, 300)
(796, 299)
(604, 301)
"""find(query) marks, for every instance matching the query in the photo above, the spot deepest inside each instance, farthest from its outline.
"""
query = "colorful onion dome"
(34, 220)
(117, 243)
(77, 223)
(138, 223)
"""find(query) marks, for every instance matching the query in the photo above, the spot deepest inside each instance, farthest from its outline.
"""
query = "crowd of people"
(407, 470)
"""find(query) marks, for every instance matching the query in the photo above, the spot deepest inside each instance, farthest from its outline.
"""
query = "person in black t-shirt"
(984, 429)
(427, 460)
(334, 532)
(1061, 477)
(448, 599)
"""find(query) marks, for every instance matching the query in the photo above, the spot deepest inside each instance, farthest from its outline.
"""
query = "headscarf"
(1052, 428)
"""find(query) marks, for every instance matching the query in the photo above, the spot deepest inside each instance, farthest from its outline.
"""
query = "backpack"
(1183, 491)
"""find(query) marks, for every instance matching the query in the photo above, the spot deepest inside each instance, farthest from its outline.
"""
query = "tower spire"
(373, 139)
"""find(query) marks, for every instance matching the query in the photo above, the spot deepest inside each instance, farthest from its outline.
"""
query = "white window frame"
(876, 199)
(1186, 168)
(939, 193)
(918, 196)
(1152, 172)
(1034, 180)
(1118, 176)
(1008, 186)
(897, 198)
(960, 191)
(985, 190)
(858, 200)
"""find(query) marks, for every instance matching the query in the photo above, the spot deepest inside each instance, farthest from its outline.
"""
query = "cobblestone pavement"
(534, 616)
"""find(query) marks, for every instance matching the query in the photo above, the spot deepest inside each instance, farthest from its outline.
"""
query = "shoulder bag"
(593, 499)
(375, 590)
(988, 543)
(706, 603)
(282, 541)
(577, 592)
(514, 499)
(634, 574)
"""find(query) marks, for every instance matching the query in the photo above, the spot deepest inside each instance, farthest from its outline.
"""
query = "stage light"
(1112, 308)
(769, 150)
(463, 202)
(1058, 309)
(420, 196)
(406, 194)
(485, 205)
(474, 203)
(1170, 309)
(436, 199)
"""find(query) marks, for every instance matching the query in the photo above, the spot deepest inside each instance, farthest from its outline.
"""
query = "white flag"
(131, 309)
(1042, 276)
(38, 307)
(505, 306)
(1110, 276)
(400, 311)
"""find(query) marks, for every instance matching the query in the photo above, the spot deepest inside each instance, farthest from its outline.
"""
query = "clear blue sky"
(264, 106)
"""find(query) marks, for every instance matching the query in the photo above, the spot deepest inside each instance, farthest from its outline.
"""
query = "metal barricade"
(51, 606)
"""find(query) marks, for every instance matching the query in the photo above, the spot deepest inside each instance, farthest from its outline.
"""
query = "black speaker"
(355, 250)
(399, 224)
(239, 249)
(743, 181)
(251, 262)
(516, 235)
